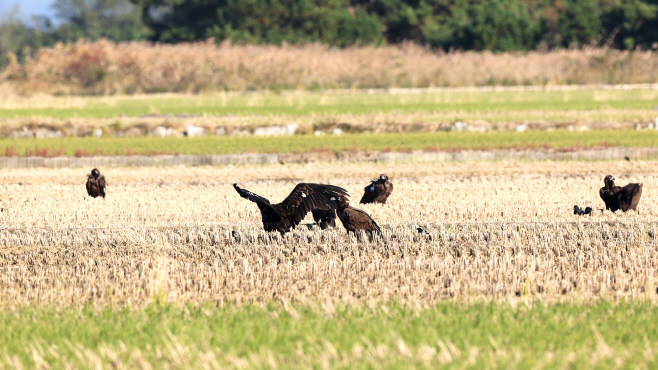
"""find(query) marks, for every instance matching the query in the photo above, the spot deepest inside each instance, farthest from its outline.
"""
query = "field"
(179, 262)
(562, 120)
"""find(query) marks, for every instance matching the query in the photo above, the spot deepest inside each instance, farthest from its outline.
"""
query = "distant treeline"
(495, 25)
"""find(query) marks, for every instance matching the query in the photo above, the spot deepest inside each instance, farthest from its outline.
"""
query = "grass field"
(467, 104)
(153, 277)
(384, 335)
(397, 142)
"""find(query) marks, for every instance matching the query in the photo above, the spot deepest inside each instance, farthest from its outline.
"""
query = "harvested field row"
(549, 261)
(496, 231)
(417, 200)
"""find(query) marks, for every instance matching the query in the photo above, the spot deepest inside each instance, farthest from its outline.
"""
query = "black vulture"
(378, 190)
(355, 219)
(324, 218)
(616, 197)
(96, 184)
(304, 198)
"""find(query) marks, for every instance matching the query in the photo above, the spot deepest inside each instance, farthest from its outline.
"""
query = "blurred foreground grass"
(384, 335)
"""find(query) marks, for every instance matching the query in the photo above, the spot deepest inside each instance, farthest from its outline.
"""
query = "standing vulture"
(324, 218)
(616, 197)
(304, 197)
(354, 219)
(378, 191)
(96, 184)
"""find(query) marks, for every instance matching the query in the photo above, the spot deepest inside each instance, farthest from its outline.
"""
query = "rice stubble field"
(172, 251)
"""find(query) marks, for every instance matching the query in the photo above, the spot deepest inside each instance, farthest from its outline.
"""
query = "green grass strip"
(404, 142)
(316, 104)
(601, 335)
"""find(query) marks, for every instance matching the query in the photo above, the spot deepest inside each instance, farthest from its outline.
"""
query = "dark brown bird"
(324, 218)
(304, 197)
(378, 191)
(616, 197)
(96, 184)
(355, 219)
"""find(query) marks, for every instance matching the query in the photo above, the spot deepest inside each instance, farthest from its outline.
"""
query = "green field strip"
(329, 104)
(404, 142)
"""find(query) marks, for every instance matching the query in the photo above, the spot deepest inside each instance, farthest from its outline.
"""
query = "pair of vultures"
(325, 202)
(615, 197)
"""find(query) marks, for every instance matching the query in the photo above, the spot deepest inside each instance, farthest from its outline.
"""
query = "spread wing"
(371, 192)
(272, 220)
(306, 197)
(629, 191)
(246, 194)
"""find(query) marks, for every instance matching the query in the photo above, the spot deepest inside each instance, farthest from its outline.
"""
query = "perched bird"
(354, 219)
(96, 184)
(304, 197)
(422, 231)
(616, 197)
(378, 191)
(324, 218)
(578, 211)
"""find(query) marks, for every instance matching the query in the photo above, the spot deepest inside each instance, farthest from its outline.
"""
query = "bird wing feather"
(306, 197)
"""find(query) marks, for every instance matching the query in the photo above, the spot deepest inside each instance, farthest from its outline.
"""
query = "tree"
(333, 22)
(118, 20)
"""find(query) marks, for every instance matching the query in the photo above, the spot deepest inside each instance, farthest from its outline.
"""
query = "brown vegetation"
(181, 234)
(103, 67)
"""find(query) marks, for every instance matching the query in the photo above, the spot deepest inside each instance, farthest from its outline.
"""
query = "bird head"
(609, 181)
(341, 201)
(95, 173)
(383, 177)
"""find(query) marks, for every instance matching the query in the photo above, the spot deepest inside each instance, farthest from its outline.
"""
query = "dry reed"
(103, 67)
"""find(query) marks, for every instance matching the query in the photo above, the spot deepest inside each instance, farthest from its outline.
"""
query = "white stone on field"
(194, 131)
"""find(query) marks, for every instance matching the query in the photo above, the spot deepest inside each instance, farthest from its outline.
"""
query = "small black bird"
(578, 211)
(422, 231)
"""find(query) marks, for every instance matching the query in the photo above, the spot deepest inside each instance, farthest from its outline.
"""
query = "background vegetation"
(496, 25)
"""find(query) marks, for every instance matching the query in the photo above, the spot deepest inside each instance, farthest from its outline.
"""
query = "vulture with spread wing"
(304, 198)
(616, 197)
(96, 184)
(355, 219)
(378, 191)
